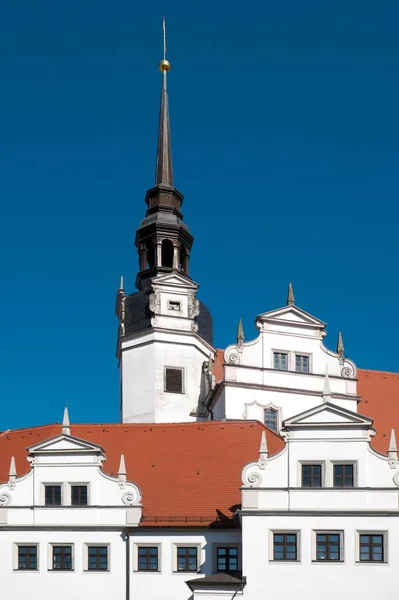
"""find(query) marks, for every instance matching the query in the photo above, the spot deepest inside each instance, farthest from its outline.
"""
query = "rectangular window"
(62, 558)
(371, 547)
(27, 558)
(174, 381)
(285, 546)
(52, 495)
(227, 559)
(343, 476)
(187, 558)
(301, 363)
(280, 361)
(311, 476)
(174, 305)
(97, 558)
(270, 418)
(147, 558)
(328, 546)
(79, 495)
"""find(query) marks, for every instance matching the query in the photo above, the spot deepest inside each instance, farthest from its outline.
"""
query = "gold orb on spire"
(164, 65)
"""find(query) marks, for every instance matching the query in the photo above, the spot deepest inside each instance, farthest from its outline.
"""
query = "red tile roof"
(186, 470)
(379, 391)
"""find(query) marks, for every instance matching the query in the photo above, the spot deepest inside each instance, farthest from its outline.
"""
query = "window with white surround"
(96, 557)
(270, 418)
(226, 557)
(26, 557)
(60, 557)
(147, 558)
(280, 361)
(302, 363)
(79, 495)
(328, 546)
(344, 475)
(173, 383)
(284, 546)
(311, 475)
(186, 558)
(372, 547)
(53, 494)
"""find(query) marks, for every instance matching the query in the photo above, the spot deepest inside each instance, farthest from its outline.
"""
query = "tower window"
(271, 418)
(167, 253)
(173, 381)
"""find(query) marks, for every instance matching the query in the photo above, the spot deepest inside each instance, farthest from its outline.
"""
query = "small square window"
(280, 361)
(227, 559)
(271, 418)
(174, 381)
(27, 558)
(311, 476)
(52, 495)
(371, 547)
(301, 363)
(97, 558)
(62, 558)
(187, 558)
(147, 558)
(79, 495)
(343, 476)
(285, 546)
(328, 546)
(174, 305)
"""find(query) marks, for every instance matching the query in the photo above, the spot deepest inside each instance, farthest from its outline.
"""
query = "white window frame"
(50, 557)
(138, 545)
(278, 351)
(68, 493)
(16, 545)
(177, 545)
(341, 545)
(43, 493)
(216, 545)
(343, 462)
(324, 470)
(360, 532)
(305, 354)
(183, 382)
(298, 546)
(86, 547)
(277, 409)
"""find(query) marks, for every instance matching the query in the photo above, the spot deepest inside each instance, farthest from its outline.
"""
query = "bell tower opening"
(167, 253)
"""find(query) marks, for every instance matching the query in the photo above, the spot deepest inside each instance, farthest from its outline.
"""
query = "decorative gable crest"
(328, 415)
(291, 316)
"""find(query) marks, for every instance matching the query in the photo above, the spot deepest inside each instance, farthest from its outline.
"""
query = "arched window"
(150, 255)
(167, 253)
(270, 418)
(182, 258)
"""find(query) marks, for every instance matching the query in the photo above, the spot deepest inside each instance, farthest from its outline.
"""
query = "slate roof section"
(189, 473)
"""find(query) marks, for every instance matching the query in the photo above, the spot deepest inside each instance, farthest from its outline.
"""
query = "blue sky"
(285, 137)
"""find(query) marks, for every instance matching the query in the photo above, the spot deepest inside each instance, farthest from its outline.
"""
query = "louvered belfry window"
(174, 380)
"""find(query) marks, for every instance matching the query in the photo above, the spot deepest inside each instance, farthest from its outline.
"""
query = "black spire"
(163, 241)
(164, 171)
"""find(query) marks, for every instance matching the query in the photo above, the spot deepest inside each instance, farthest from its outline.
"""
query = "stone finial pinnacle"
(12, 474)
(340, 345)
(121, 284)
(66, 425)
(392, 451)
(290, 295)
(240, 333)
(263, 449)
(122, 472)
(326, 390)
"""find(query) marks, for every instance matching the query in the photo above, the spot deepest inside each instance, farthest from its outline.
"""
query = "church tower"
(164, 347)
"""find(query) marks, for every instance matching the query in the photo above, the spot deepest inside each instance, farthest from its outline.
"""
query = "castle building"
(267, 468)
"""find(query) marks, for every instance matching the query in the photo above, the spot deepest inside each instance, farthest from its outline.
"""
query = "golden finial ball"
(164, 65)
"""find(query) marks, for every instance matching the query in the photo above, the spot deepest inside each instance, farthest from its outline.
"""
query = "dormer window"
(271, 418)
(280, 361)
(302, 363)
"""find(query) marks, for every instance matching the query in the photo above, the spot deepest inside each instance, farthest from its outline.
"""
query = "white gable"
(328, 414)
(65, 444)
(175, 280)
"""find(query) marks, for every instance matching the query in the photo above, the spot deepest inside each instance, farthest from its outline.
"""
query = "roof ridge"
(378, 371)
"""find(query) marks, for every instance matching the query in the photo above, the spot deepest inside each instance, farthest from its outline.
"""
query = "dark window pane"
(327, 546)
(27, 558)
(270, 418)
(148, 558)
(343, 476)
(371, 548)
(62, 558)
(187, 559)
(227, 559)
(79, 495)
(301, 363)
(174, 381)
(311, 476)
(52, 495)
(280, 361)
(97, 558)
(285, 546)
